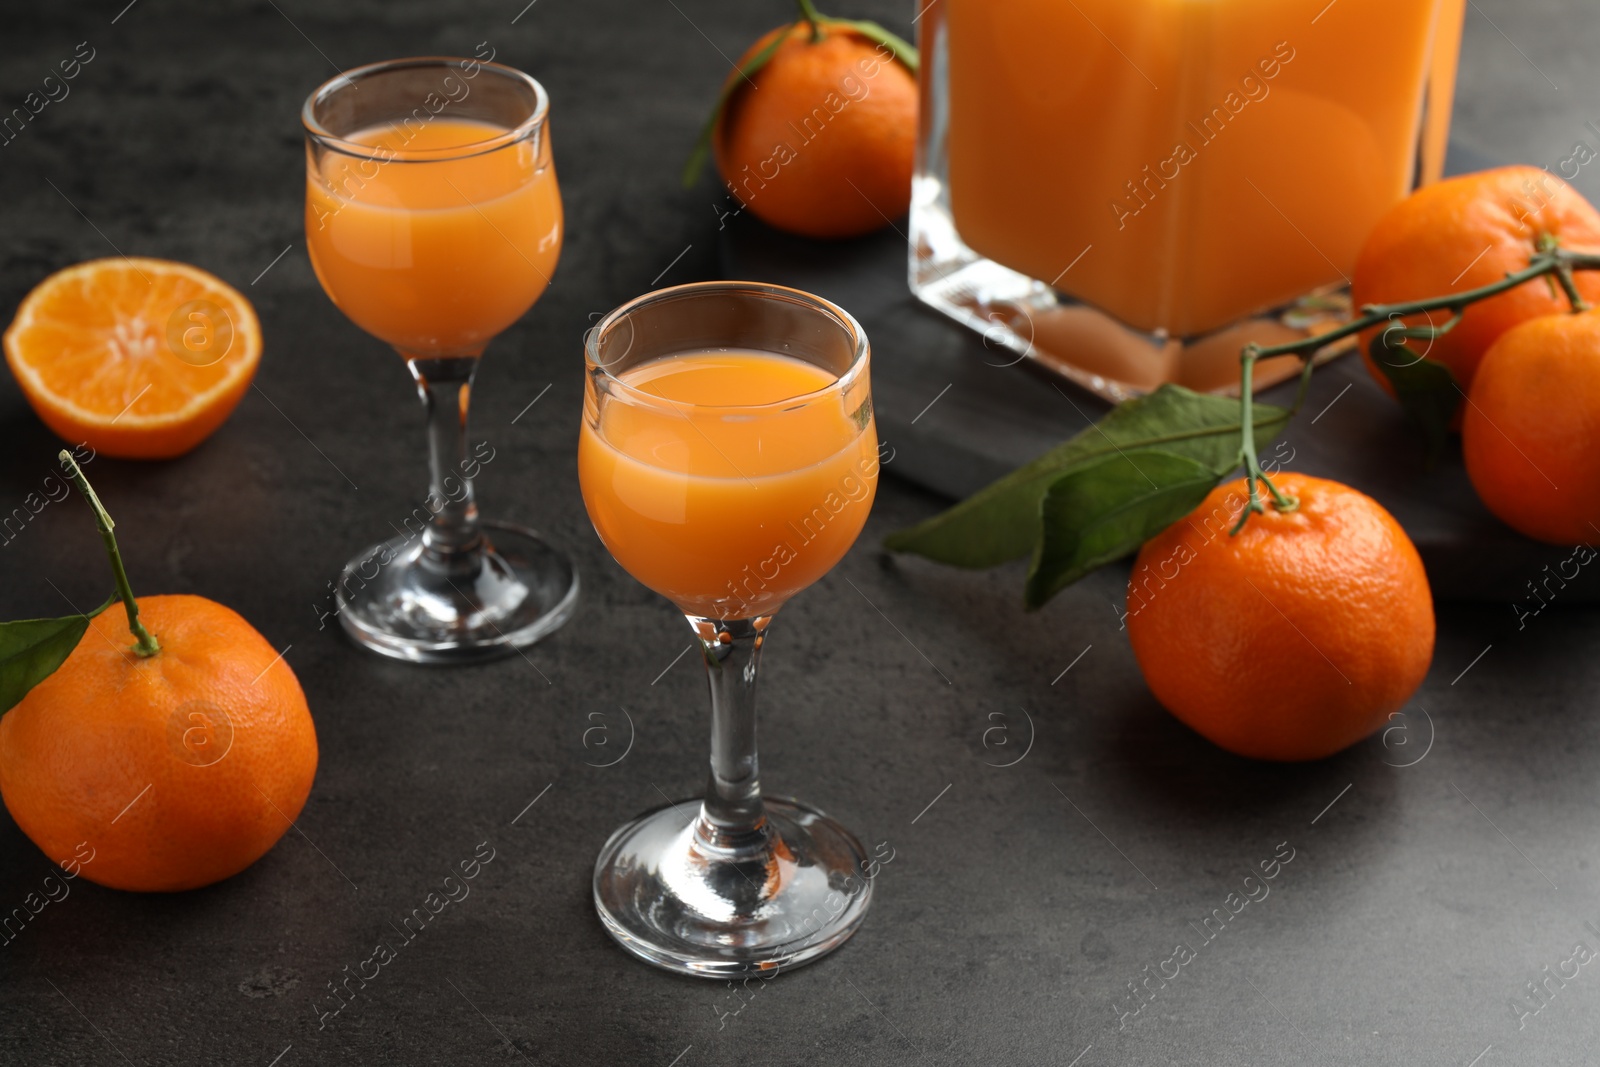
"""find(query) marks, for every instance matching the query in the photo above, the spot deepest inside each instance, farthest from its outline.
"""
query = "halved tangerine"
(138, 358)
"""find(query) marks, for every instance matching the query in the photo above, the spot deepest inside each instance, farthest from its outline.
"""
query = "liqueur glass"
(434, 222)
(728, 458)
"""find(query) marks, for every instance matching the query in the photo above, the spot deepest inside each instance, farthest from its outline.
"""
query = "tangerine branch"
(1548, 261)
(145, 642)
(808, 11)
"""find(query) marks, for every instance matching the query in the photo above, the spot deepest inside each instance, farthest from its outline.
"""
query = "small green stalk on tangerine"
(1548, 261)
(145, 643)
(1247, 451)
(1549, 243)
(808, 12)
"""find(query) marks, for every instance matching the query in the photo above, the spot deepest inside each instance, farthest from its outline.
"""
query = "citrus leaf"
(702, 146)
(31, 650)
(1427, 391)
(1001, 522)
(1107, 509)
(902, 50)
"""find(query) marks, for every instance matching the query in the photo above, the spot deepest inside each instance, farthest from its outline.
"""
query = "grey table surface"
(1435, 871)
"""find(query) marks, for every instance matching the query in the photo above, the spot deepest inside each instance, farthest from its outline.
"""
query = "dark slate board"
(989, 414)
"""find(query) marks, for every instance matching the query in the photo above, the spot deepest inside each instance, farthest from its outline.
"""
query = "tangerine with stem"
(816, 129)
(1470, 231)
(1528, 436)
(179, 760)
(1291, 638)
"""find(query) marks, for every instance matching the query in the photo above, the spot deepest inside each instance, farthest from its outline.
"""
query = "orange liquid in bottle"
(1214, 157)
(435, 257)
(725, 511)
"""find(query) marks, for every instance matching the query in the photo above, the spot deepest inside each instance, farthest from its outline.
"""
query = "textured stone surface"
(1016, 908)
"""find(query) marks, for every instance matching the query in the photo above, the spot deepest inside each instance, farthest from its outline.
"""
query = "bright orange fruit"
(139, 358)
(1292, 640)
(175, 770)
(1465, 232)
(823, 142)
(1530, 430)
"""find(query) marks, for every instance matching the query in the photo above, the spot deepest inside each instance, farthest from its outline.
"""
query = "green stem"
(145, 643)
(808, 11)
(1548, 261)
(1570, 287)
(1252, 464)
(1544, 263)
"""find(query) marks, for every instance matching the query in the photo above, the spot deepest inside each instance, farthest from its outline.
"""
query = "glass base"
(399, 602)
(793, 895)
(1024, 318)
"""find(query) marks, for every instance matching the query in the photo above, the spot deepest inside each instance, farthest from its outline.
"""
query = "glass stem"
(732, 818)
(452, 539)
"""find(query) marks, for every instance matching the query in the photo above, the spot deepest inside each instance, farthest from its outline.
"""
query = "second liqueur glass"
(434, 222)
(728, 459)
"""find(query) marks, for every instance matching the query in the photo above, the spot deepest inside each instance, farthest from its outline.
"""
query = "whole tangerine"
(1528, 433)
(178, 769)
(822, 141)
(1292, 639)
(1466, 232)
(167, 764)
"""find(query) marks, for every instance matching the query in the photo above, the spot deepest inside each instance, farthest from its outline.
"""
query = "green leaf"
(1103, 511)
(31, 650)
(702, 146)
(1001, 522)
(902, 50)
(1427, 391)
